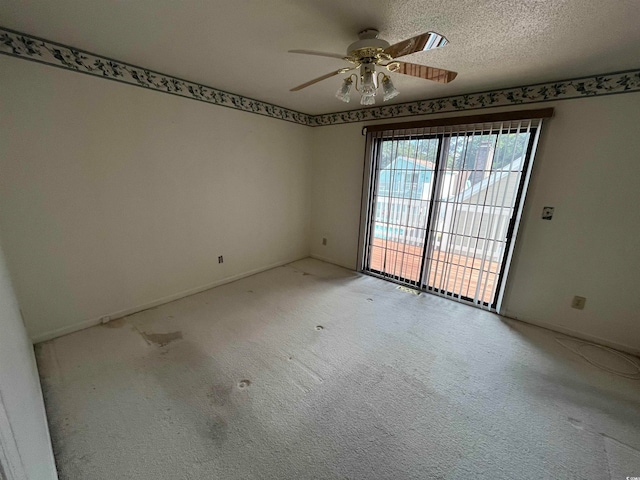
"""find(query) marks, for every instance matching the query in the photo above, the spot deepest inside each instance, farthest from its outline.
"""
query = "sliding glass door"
(405, 179)
(443, 204)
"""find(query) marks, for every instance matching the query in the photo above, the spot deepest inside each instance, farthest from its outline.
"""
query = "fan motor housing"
(368, 45)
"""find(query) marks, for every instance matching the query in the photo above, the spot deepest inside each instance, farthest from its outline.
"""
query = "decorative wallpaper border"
(621, 82)
(28, 47)
(43, 51)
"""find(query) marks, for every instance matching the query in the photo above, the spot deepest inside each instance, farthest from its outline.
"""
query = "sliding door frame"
(379, 133)
(370, 191)
(514, 225)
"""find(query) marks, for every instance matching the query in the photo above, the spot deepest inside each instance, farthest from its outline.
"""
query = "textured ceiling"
(241, 46)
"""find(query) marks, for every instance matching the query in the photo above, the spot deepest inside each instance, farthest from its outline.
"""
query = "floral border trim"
(28, 47)
(44, 51)
(609, 84)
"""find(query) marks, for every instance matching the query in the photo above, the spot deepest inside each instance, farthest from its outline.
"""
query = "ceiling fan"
(370, 51)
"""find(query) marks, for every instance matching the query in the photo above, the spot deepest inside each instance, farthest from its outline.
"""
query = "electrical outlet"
(578, 302)
(324, 241)
(547, 213)
(220, 259)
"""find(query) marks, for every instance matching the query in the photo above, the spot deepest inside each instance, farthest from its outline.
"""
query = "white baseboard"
(59, 332)
(582, 336)
(330, 260)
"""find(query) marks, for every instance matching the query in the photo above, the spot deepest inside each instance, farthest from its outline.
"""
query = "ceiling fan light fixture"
(368, 99)
(368, 83)
(344, 92)
(388, 89)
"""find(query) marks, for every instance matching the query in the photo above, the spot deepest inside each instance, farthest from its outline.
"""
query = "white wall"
(25, 448)
(114, 197)
(338, 162)
(587, 167)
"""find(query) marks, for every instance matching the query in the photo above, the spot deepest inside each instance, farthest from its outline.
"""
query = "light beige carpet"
(311, 371)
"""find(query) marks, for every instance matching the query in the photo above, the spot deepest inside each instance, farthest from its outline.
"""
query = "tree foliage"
(464, 152)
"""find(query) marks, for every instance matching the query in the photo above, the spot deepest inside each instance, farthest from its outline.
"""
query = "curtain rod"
(464, 120)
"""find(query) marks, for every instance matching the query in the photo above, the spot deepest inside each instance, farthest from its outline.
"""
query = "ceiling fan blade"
(319, 79)
(428, 73)
(320, 54)
(419, 43)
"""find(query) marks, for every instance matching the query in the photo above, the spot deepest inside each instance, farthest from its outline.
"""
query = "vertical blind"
(441, 204)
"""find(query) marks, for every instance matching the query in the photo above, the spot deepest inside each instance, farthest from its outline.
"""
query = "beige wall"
(587, 167)
(25, 448)
(113, 198)
(338, 161)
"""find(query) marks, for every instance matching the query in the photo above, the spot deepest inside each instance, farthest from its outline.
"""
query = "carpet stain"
(161, 339)
(219, 395)
(319, 327)
(304, 274)
(242, 384)
(217, 430)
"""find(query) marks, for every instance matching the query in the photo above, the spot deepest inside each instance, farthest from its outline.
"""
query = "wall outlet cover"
(578, 302)
(547, 213)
